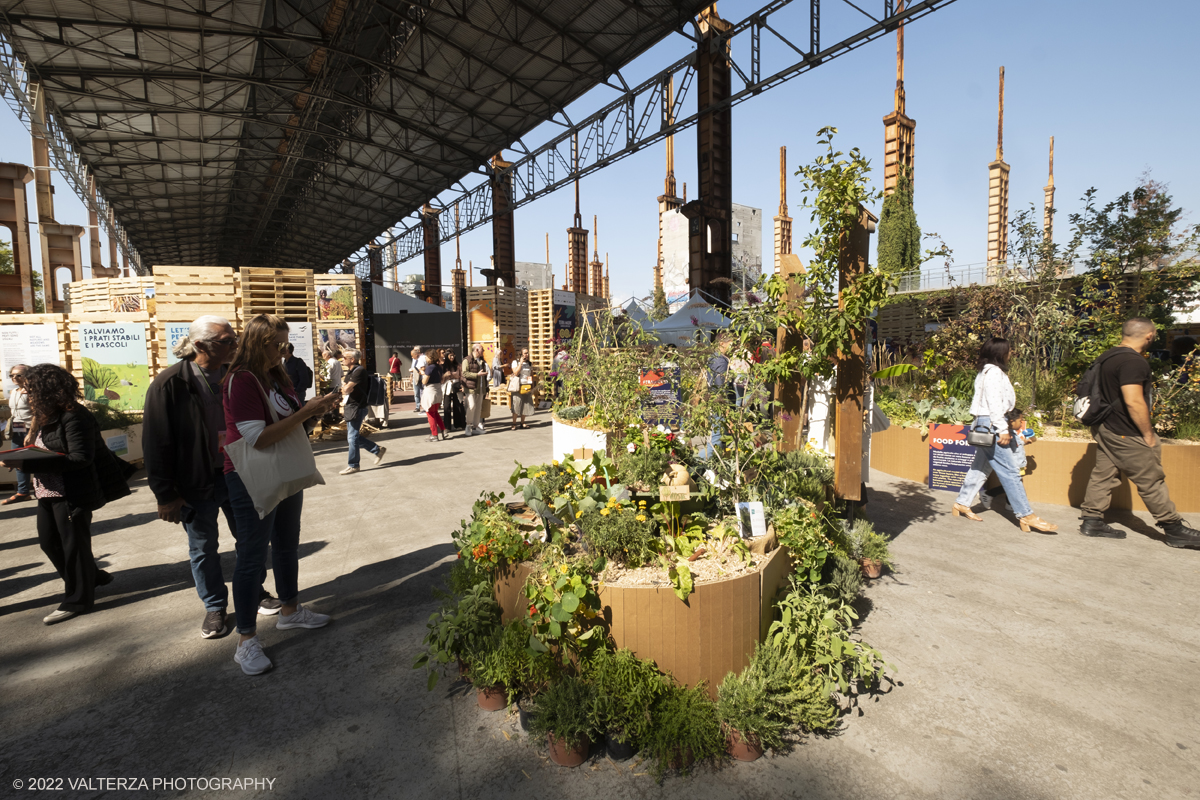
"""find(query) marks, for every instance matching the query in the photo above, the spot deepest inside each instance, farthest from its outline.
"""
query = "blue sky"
(1113, 83)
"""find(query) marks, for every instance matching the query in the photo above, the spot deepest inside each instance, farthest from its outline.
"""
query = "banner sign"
(300, 336)
(565, 315)
(950, 457)
(174, 331)
(661, 406)
(28, 345)
(115, 368)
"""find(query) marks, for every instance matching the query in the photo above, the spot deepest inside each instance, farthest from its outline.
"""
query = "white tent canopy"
(697, 314)
(636, 313)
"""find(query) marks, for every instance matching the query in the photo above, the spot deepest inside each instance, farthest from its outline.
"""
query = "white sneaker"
(379, 455)
(480, 429)
(251, 657)
(303, 618)
(348, 471)
(469, 432)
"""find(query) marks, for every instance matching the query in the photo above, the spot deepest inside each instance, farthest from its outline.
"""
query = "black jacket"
(301, 376)
(175, 439)
(91, 474)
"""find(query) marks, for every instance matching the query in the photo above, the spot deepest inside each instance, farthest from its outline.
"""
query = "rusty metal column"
(711, 216)
(375, 263)
(504, 254)
(14, 215)
(791, 393)
(851, 368)
(433, 256)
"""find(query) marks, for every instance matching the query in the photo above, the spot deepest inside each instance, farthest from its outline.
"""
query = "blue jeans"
(280, 530)
(200, 523)
(1003, 461)
(355, 439)
(23, 482)
(417, 391)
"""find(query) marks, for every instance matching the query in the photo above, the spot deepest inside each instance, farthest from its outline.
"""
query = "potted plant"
(499, 667)
(564, 718)
(625, 689)
(755, 707)
(875, 554)
(463, 623)
(684, 729)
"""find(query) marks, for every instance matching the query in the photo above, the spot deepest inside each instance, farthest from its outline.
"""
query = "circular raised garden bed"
(704, 638)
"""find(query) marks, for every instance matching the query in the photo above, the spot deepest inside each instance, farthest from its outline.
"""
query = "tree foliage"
(899, 249)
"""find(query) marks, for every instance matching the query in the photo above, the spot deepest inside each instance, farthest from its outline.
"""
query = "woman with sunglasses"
(18, 427)
(255, 386)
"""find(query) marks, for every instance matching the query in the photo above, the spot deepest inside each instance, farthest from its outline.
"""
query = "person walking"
(355, 389)
(452, 404)
(298, 372)
(475, 378)
(395, 367)
(256, 393)
(498, 368)
(1126, 442)
(994, 397)
(18, 428)
(431, 395)
(71, 486)
(333, 366)
(417, 373)
(183, 429)
(520, 389)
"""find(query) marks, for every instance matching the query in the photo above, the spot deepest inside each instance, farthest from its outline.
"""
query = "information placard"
(174, 332)
(115, 368)
(661, 404)
(950, 457)
(29, 345)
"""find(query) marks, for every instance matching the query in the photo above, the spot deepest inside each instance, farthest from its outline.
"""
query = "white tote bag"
(274, 473)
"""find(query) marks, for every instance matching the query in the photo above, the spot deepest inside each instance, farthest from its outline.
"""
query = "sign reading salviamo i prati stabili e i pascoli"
(115, 368)
(950, 456)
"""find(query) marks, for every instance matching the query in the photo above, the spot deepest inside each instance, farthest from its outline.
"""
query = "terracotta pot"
(872, 568)
(567, 754)
(492, 698)
(743, 748)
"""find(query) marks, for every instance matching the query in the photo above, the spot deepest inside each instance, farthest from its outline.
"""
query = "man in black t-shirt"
(355, 386)
(1125, 442)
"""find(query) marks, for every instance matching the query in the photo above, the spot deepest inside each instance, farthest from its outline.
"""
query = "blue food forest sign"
(662, 402)
(950, 457)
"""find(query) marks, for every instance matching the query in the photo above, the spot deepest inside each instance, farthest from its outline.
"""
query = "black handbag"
(979, 436)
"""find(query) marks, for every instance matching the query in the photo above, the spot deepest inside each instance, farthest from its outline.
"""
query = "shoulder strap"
(262, 391)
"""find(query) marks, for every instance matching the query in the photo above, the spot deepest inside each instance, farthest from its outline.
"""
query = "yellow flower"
(641, 517)
(642, 503)
(563, 569)
(555, 462)
(578, 514)
(604, 512)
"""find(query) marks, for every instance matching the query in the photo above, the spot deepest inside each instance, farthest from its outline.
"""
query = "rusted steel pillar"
(851, 368)
(375, 263)
(790, 393)
(504, 254)
(433, 256)
(14, 215)
(711, 216)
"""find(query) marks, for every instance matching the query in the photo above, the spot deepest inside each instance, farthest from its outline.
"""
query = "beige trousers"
(1141, 464)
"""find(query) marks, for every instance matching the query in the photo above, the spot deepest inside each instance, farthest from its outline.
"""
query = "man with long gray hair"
(183, 431)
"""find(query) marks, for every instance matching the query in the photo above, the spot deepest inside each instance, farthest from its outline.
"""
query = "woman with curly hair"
(262, 407)
(69, 487)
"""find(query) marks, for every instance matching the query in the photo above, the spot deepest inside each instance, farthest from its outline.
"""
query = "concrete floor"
(1027, 666)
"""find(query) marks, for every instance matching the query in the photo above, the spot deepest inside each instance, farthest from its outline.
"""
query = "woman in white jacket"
(994, 397)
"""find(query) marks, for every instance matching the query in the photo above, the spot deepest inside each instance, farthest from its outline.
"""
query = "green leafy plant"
(502, 659)
(760, 703)
(845, 579)
(621, 533)
(681, 545)
(564, 709)
(573, 412)
(564, 606)
(626, 688)
(875, 548)
(109, 418)
(685, 727)
(643, 467)
(493, 539)
(806, 535)
(462, 625)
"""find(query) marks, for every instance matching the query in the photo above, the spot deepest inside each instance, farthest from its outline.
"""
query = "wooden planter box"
(704, 639)
(1058, 471)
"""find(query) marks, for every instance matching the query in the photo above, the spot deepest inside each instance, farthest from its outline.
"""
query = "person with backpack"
(1114, 398)
(355, 388)
(994, 398)
(70, 486)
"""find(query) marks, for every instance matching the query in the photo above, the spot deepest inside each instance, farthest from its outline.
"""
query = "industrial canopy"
(289, 133)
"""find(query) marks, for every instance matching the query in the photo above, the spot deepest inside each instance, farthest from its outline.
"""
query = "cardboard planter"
(704, 639)
(1058, 471)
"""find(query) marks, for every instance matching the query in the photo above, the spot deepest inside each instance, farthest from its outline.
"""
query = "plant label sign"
(950, 457)
(115, 368)
(674, 494)
(752, 520)
(661, 406)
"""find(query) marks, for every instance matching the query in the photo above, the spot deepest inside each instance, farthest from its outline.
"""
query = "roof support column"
(14, 215)
(504, 254)
(433, 256)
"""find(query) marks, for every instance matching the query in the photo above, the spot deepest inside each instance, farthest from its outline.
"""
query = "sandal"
(524, 427)
(514, 426)
(1036, 523)
(964, 511)
(16, 498)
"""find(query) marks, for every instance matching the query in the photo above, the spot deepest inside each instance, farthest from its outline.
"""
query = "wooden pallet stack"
(498, 319)
(286, 293)
(110, 295)
(185, 293)
(541, 329)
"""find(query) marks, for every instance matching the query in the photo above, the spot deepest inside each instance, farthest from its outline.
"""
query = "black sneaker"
(1180, 534)
(1091, 526)
(268, 605)
(103, 578)
(214, 625)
